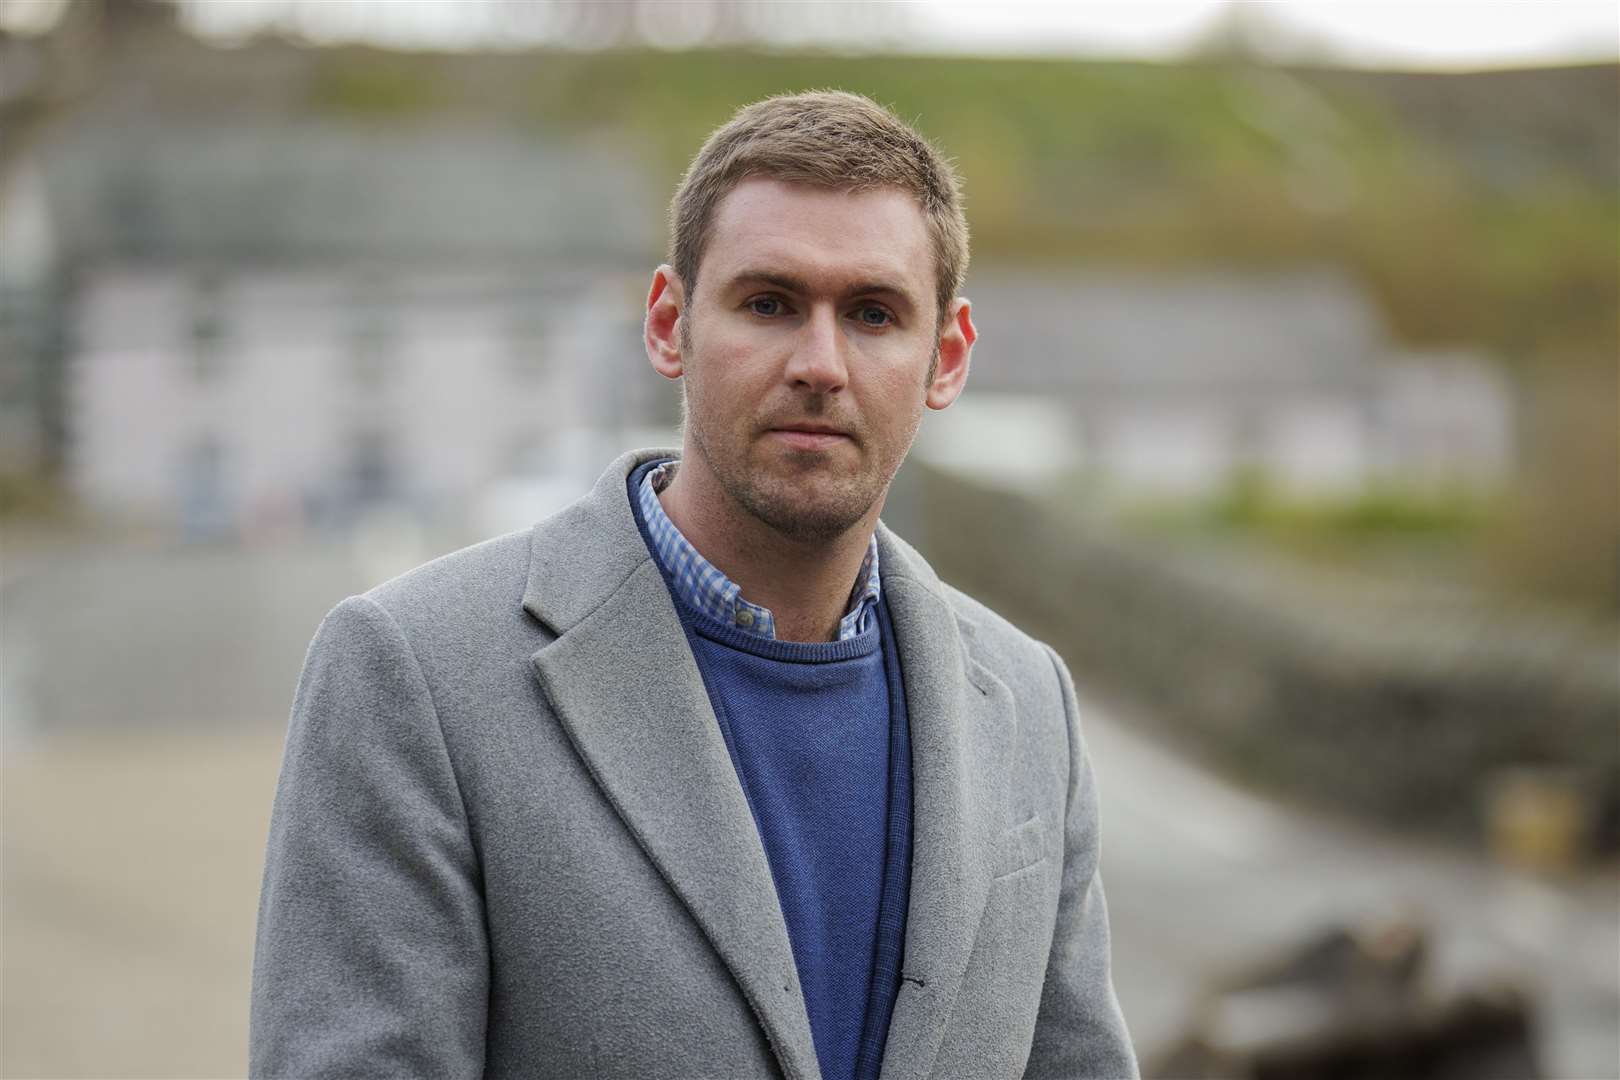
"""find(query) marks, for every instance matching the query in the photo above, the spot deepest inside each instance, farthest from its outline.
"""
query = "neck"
(805, 584)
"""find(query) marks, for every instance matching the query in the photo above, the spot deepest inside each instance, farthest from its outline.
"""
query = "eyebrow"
(800, 285)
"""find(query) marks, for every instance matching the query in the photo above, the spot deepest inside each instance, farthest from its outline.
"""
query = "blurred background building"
(1173, 383)
(1297, 386)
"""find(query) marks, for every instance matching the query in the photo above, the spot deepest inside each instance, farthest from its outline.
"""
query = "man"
(709, 774)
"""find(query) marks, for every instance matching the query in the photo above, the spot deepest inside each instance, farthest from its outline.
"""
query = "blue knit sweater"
(819, 738)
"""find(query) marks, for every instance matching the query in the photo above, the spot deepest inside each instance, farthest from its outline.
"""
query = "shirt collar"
(702, 586)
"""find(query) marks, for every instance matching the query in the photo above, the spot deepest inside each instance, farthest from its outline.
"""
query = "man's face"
(807, 351)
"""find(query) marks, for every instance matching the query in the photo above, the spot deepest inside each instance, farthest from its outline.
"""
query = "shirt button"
(745, 618)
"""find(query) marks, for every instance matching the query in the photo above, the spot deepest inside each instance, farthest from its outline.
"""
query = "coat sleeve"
(1079, 1031)
(371, 957)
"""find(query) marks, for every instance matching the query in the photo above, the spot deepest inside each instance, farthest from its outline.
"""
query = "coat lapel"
(622, 681)
(960, 718)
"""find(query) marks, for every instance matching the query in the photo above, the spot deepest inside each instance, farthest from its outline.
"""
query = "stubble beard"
(813, 505)
(810, 505)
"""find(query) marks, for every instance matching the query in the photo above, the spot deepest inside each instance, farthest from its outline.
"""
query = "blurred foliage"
(31, 496)
(374, 89)
(1559, 533)
(1385, 529)
(1250, 502)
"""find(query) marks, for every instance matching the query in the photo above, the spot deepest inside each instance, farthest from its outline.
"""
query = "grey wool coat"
(508, 839)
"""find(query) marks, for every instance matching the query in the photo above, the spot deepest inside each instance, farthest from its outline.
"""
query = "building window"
(372, 351)
(526, 346)
(205, 496)
(207, 329)
(370, 468)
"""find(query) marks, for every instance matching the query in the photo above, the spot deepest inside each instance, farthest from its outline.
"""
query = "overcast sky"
(1439, 34)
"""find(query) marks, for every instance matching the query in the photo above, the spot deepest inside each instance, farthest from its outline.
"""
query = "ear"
(662, 330)
(956, 340)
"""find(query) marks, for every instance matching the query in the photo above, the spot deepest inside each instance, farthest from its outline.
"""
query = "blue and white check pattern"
(705, 588)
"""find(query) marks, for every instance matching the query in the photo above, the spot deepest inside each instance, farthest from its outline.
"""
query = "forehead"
(820, 234)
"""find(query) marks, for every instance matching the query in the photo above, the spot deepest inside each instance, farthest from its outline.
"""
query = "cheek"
(896, 383)
(726, 383)
(727, 337)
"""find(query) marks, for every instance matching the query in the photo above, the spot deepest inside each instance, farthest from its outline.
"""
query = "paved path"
(132, 865)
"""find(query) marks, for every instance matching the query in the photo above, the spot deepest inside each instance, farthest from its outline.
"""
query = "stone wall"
(1386, 712)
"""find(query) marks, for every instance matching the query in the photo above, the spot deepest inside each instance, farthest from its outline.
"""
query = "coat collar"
(582, 555)
(622, 681)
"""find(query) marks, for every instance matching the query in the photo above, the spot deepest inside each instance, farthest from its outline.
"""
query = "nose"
(817, 363)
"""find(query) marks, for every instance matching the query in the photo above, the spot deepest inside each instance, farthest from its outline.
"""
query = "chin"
(804, 510)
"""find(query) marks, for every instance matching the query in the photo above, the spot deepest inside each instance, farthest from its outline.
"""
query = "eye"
(766, 306)
(873, 316)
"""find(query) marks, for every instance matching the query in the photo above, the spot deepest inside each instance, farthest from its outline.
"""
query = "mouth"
(810, 436)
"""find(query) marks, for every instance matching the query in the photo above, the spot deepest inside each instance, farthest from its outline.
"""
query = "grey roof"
(194, 188)
(1090, 332)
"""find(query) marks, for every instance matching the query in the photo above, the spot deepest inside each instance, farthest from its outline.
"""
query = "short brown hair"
(830, 139)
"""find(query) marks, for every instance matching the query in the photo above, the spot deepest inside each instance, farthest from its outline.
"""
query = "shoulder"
(458, 603)
(461, 583)
(448, 634)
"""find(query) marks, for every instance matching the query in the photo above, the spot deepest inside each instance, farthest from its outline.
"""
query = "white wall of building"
(314, 396)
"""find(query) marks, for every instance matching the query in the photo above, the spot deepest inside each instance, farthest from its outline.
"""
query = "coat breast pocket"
(1019, 848)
